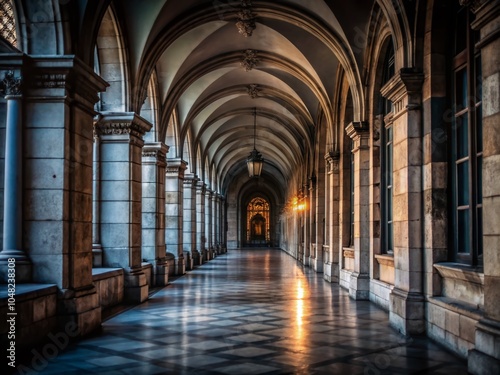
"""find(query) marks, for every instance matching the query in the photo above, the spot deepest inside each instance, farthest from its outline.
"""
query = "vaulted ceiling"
(214, 76)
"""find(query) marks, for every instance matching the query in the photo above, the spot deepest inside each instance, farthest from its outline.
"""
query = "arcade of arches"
(125, 128)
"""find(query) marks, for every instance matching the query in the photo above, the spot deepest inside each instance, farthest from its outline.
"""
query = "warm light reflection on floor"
(300, 311)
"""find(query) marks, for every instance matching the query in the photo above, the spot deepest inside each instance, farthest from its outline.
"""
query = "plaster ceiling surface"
(198, 55)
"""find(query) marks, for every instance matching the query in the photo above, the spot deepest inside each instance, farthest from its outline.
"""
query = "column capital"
(200, 187)
(190, 180)
(473, 5)
(486, 12)
(360, 134)
(332, 159)
(11, 84)
(404, 90)
(176, 167)
(156, 151)
(122, 124)
(60, 75)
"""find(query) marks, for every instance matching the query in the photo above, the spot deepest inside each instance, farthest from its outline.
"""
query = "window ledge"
(385, 259)
(459, 271)
(348, 252)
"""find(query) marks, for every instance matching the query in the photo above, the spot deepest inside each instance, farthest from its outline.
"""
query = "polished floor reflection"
(253, 312)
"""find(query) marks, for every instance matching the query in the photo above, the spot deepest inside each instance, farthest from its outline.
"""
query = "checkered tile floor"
(253, 312)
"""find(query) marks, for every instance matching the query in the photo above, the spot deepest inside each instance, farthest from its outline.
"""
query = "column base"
(407, 312)
(96, 255)
(136, 287)
(359, 286)
(23, 268)
(317, 265)
(188, 260)
(331, 272)
(485, 357)
(161, 274)
(80, 312)
(197, 259)
(170, 260)
(180, 266)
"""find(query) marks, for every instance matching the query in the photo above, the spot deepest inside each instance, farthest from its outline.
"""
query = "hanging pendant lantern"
(255, 162)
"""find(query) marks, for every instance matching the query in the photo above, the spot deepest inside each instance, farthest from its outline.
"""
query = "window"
(351, 197)
(466, 143)
(386, 158)
(8, 22)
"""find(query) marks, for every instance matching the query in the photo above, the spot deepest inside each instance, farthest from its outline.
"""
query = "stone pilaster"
(320, 222)
(485, 358)
(200, 220)
(189, 223)
(208, 223)
(331, 261)
(10, 86)
(406, 300)
(306, 220)
(60, 95)
(312, 222)
(121, 146)
(174, 187)
(213, 226)
(153, 209)
(360, 279)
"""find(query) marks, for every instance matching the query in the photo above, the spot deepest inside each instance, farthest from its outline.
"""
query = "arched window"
(8, 22)
(466, 152)
(386, 157)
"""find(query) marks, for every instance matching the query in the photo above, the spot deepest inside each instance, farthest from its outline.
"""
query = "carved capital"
(250, 59)
(404, 90)
(200, 187)
(176, 168)
(357, 130)
(122, 124)
(157, 151)
(474, 5)
(190, 180)
(11, 85)
(332, 162)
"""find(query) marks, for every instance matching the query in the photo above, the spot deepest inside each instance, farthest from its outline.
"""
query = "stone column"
(320, 216)
(404, 90)
(359, 288)
(96, 204)
(13, 183)
(331, 264)
(60, 95)
(306, 220)
(312, 222)
(208, 223)
(174, 187)
(223, 221)
(200, 220)
(485, 358)
(214, 224)
(189, 223)
(153, 209)
(121, 200)
(217, 224)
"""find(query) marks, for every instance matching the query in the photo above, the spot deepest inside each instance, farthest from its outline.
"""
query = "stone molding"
(359, 132)
(176, 168)
(157, 151)
(332, 162)
(63, 72)
(190, 180)
(404, 90)
(474, 5)
(201, 187)
(128, 123)
(486, 14)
